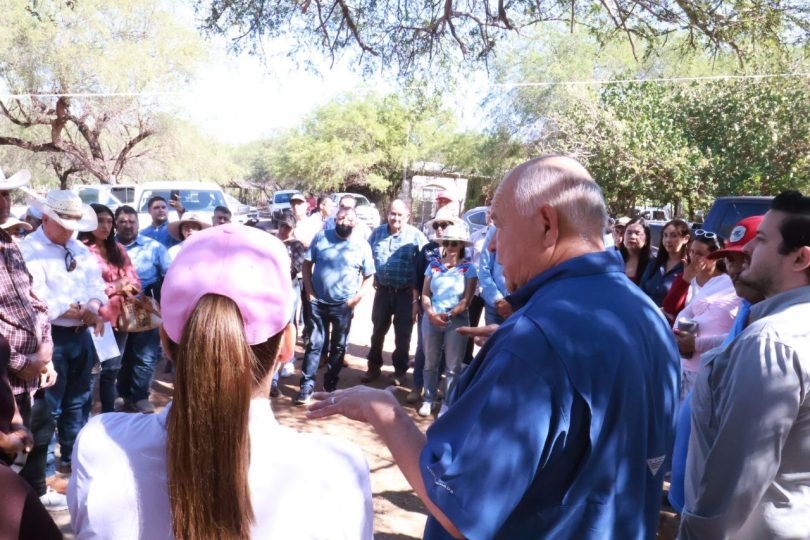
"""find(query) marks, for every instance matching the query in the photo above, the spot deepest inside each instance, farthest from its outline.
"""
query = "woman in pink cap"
(215, 462)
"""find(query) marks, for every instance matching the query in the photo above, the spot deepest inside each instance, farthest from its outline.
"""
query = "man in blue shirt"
(395, 246)
(159, 229)
(337, 273)
(142, 350)
(561, 425)
(493, 283)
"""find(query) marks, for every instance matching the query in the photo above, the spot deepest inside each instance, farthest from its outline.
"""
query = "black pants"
(396, 304)
(36, 417)
(476, 309)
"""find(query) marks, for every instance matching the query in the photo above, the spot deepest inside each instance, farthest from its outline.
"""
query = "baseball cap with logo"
(244, 264)
(743, 232)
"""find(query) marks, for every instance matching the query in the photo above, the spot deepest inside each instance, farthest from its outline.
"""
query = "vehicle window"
(478, 218)
(362, 201)
(281, 198)
(125, 194)
(192, 199)
(89, 196)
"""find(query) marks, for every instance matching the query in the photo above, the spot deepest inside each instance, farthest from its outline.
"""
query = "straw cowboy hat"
(15, 180)
(456, 233)
(188, 217)
(443, 215)
(66, 209)
(13, 223)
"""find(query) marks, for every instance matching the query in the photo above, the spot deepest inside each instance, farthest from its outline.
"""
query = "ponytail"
(208, 449)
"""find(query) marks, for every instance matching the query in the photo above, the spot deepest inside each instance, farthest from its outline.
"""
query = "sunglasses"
(70, 261)
(440, 225)
(451, 243)
(705, 234)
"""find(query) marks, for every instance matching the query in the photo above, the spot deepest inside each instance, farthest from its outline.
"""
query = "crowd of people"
(601, 370)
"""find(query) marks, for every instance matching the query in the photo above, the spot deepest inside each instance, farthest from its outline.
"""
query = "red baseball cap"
(742, 233)
(446, 195)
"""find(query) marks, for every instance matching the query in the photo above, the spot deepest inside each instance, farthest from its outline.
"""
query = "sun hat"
(444, 214)
(65, 208)
(13, 223)
(188, 217)
(33, 212)
(743, 232)
(621, 221)
(298, 197)
(18, 179)
(455, 233)
(244, 264)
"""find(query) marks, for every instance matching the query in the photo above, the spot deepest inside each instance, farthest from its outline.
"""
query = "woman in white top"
(708, 316)
(215, 463)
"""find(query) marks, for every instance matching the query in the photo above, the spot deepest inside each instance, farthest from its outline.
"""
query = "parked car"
(200, 197)
(475, 218)
(727, 211)
(366, 210)
(281, 202)
(241, 212)
(97, 194)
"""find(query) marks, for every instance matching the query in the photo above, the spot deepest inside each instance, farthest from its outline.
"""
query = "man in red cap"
(747, 470)
(448, 200)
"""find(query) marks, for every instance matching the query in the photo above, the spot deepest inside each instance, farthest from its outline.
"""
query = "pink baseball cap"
(247, 265)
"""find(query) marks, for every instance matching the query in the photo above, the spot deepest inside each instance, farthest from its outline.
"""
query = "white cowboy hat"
(445, 215)
(15, 180)
(14, 223)
(66, 209)
(188, 217)
(455, 233)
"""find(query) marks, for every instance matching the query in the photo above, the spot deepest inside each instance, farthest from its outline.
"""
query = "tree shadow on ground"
(406, 500)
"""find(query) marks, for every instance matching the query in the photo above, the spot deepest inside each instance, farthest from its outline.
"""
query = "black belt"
(74, 329)
(394, 289)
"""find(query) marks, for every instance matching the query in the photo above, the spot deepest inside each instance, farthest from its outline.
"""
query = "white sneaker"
(144, 406)
(53, 501)
(425, 408)
(288, 369)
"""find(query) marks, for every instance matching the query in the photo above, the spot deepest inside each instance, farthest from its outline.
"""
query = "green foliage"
(678, 143)
(354, 142)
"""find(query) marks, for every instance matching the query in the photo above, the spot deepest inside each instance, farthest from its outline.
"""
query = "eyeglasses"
(70, 261)
(440, 225)
(451, 243)
(705, 234)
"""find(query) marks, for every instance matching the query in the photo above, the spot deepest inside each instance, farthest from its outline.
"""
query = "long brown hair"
(208, 450)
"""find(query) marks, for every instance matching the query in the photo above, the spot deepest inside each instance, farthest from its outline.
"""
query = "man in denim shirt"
(142, 350)
(395, 246)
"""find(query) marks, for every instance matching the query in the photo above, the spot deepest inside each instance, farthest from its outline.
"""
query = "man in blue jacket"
(561, 426)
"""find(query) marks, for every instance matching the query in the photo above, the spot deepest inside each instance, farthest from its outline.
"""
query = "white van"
(200, 197)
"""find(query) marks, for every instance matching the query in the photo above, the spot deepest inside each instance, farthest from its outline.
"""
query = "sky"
(238, 98)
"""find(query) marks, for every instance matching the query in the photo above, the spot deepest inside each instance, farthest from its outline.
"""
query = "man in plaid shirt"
(24, 323)
(395, 246)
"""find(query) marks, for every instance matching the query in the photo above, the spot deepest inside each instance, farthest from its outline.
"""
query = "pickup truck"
(200, 197)
(727, 211)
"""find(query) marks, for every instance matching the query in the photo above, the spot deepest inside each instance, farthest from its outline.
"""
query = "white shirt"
(302, 485)
(53, 284)
(306, 230)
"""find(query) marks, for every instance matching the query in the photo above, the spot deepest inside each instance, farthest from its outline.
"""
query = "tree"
(55, 53)
(407, 34)
(355, 143)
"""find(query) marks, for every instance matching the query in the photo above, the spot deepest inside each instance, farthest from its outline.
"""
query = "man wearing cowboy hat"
(67, 277)
(24, 323)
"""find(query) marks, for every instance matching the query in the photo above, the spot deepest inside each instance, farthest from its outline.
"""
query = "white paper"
(106, 347)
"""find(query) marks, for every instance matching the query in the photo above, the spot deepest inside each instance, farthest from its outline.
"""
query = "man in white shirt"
(67, 278)
(306, 230)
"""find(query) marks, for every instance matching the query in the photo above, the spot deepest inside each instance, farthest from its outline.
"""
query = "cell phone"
(175, 195)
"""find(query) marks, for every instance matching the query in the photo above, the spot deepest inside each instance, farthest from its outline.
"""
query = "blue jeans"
(37, 416)
(323, 318)
(491, 315)
(141, 355)
(390, 304)
(296, 287)
(454, 345)
(73, 359)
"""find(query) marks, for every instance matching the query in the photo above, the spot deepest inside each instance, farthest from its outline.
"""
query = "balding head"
(552, 204)
(560, 182)
(398, 215)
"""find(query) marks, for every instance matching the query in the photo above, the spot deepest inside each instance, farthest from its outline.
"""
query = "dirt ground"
(398, 513)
